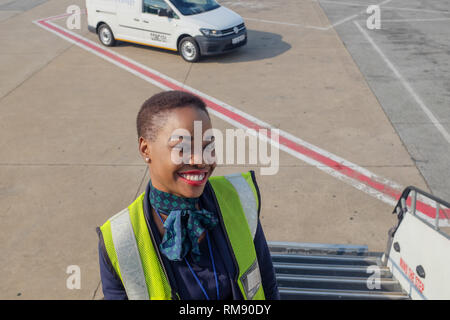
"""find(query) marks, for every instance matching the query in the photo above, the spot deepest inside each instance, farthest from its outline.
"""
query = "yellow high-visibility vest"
(131, 249)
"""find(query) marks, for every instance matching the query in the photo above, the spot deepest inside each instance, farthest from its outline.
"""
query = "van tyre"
(106, 36)
(189, 49)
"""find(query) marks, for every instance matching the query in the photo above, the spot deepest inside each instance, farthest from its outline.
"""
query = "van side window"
(153, 6)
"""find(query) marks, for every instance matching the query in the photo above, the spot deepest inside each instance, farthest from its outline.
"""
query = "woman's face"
(187, 179)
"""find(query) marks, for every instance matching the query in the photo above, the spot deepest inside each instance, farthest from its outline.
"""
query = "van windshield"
(190, 7)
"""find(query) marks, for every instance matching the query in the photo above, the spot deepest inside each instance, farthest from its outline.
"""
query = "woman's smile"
(194, 177)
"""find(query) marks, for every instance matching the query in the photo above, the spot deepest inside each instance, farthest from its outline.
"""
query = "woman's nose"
(197, 159)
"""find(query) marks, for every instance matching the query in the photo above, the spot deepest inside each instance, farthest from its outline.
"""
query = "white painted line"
(355, 15)
(346, 19)
(356, 176)
(337, 23)
(352, 4)
(288, 24)
(406, 84)
(359, 177)
(415, 20)
(418, 10)
(343, 3)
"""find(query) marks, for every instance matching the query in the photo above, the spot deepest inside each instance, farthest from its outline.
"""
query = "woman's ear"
(144, 149)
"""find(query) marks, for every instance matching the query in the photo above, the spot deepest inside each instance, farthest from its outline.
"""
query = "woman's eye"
(182, 147)
(210, 146)
(178, 148)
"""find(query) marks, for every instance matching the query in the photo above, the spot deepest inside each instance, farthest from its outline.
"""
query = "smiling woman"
(189, 235)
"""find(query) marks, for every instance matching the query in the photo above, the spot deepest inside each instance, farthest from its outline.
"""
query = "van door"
(157, 30)
(128, 19)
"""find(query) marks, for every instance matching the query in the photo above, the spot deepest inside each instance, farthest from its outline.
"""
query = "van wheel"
(189, 49)
(106, 36)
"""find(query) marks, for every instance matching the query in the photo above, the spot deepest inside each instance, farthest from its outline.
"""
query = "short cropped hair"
(153, 112)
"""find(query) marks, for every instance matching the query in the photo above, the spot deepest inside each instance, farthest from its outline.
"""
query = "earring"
(147, 159)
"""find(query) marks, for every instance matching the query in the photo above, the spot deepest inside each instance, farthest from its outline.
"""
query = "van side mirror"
(165, 13)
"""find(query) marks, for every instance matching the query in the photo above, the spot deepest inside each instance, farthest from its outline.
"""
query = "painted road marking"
(416, 20)
(344, 20)
(406, 84)
(288, 24)
(360, 178)
(355, 15)
(352, 4)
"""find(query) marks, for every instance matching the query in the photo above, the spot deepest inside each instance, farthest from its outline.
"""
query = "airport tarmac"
(69, 156)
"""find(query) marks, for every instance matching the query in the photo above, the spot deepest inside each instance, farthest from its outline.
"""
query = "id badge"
(251, 280)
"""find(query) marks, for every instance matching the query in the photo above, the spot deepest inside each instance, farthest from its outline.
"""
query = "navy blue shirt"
(181, 278)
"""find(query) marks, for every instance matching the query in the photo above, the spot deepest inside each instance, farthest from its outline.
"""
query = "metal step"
(332, 271)
(327, 259)
(328, 270)
(317, 248)
(326, 294)
(337, 283)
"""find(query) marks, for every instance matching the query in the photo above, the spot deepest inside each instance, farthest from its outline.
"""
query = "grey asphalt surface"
(9, 8)
(20, 5)
(415, 38)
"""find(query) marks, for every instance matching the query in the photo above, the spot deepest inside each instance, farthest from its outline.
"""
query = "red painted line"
(347, 171)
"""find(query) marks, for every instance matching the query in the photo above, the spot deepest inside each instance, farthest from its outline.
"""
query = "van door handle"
(136, 19)
(145, 21)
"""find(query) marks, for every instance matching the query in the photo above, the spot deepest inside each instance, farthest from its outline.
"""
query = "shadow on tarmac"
(260, 45)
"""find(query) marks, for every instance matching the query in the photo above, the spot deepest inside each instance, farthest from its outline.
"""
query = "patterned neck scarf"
(184, 224)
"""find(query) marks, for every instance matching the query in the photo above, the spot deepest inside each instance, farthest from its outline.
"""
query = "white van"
(192, 27)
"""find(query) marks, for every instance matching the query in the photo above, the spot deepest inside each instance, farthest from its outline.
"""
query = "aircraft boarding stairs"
(414, 266)
(320, 271)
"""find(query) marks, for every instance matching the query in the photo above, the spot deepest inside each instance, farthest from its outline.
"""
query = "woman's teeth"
(193, 177)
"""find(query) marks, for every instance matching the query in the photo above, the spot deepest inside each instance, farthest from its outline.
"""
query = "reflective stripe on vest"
(248, 199)
(127, 253)
(157, 284)
(130, 249)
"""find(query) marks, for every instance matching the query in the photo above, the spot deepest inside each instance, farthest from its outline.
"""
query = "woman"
(189, 235)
